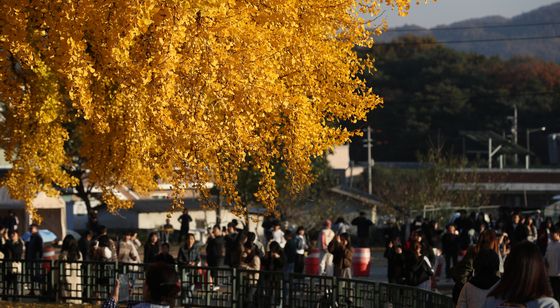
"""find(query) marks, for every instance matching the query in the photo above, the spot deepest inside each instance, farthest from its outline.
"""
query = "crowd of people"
(514, 261)
(232, 245)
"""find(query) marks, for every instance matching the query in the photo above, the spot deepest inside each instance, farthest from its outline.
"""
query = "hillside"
(498, 36)
(432, 93)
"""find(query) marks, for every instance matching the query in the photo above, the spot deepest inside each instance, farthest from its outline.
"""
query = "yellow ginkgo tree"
(179, 91)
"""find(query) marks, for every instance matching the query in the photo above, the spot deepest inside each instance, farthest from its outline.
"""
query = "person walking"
(325, 237)
(363, 224)
(185, 220)
(524, 282)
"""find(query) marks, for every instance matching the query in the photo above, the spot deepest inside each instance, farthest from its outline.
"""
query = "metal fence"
(92, 282)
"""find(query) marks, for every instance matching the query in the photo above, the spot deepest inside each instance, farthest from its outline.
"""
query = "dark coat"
(395, 265)
(85, 248)
(14, 250)
(185, 220)
(150, 252)
(216, 251)
(189, 255)
(363, 225)
(416, 269)
(450, 244)
(34, 248)
(165, 258)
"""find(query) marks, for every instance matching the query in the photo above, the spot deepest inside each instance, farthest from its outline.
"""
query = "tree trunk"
(84, 194)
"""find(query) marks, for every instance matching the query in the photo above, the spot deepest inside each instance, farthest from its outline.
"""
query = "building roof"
(507, 147)
(357, 195)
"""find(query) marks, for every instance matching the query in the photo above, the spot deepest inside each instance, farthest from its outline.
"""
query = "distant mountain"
(498, 36)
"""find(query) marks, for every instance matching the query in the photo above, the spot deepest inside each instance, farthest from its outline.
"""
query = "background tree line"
(432, 93)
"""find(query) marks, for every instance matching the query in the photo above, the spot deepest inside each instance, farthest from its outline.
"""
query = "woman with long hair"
(250, 266)
(531, 229)
(486, 266)
(524, 282)
(151, 248)
(418, 267)
(465, 268)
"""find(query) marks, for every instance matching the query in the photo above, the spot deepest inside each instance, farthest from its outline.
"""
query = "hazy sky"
(448, 11)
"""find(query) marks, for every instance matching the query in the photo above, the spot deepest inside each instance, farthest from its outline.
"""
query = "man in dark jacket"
(290, 251)
(164, 255)
(33, 254)
(363, 225)
(215, 253)
(34, 247)
(185, 220)
(215, 248)
(230, 244)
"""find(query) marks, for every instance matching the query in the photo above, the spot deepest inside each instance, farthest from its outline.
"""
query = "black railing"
(92, 282)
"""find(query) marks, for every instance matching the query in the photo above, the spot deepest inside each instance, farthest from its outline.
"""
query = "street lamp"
(528, 140)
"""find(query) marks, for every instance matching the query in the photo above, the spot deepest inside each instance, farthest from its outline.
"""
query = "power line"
(476, 97)
(471, 41)
(475, 27)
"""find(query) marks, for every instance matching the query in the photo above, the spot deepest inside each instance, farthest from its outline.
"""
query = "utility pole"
(514, 132)
(369, 164)
(528, 141)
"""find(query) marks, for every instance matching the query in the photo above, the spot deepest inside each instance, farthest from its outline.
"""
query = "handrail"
(92, 282)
